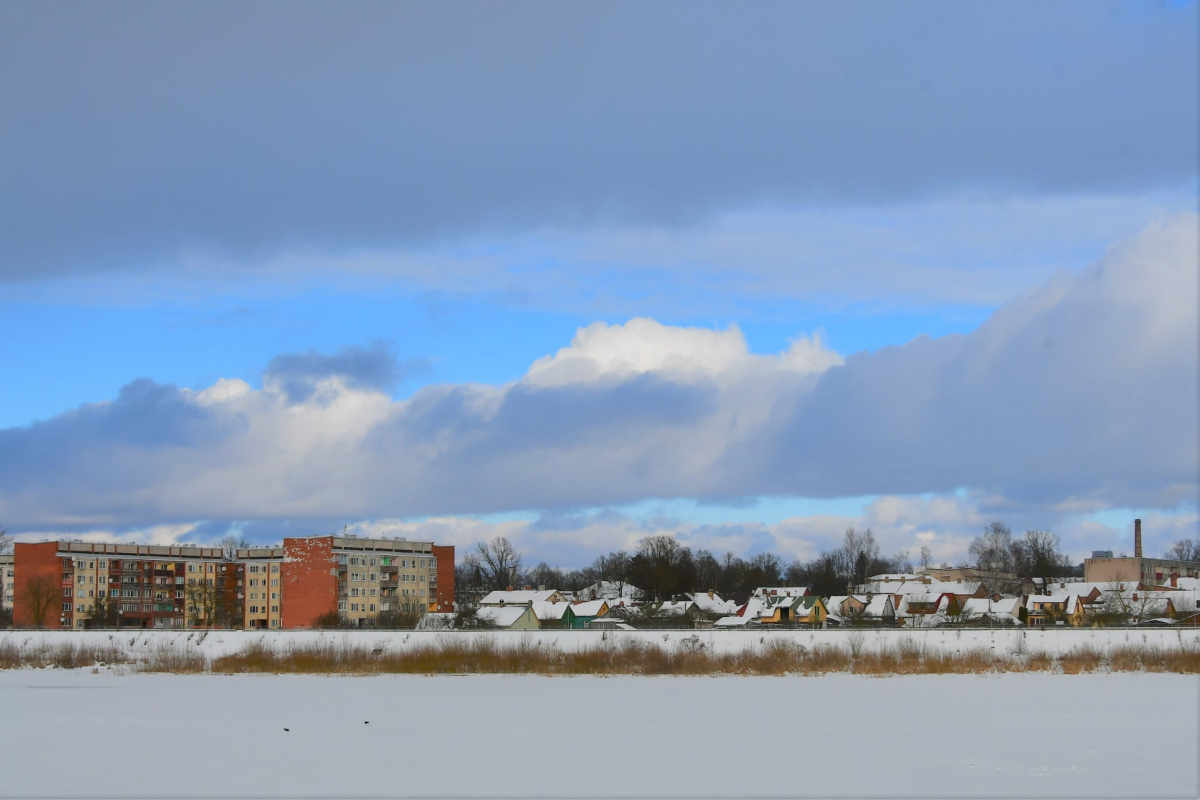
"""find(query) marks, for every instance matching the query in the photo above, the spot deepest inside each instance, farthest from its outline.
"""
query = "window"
(422, 593)
(374, 577)
(103, 565)
(354, 591)
(354, 561)
(66, 607)
(102, 579)
(372, 606)
(341, 605)
(274, 568)
(374, 561)
(274, 595)
(191, 567)
(341, 559)
(67, 591)
(354, 606)
(274, 581)
(422, 578)
(274, 623)
(274, 609)
(372, 591)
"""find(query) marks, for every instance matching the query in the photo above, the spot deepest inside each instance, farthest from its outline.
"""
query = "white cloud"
(1081, 394)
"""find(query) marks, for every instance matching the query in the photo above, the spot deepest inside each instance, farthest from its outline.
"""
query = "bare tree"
(1037, 555)
(6, 541)
(926, 558)
(498, 563)
(1183, 550)
(38, 596)
(994, 549)
(230, 543)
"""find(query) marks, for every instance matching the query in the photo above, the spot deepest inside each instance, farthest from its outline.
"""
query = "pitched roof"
(590, 608)
(550, 611)
(501, 616)
(518, 597)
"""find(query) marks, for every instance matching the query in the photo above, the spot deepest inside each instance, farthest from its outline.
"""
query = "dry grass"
(486, 655)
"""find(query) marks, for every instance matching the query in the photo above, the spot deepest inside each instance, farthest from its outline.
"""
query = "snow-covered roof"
(879, 605)
(550, 611)
(714, 604)
(518, 597)
(589, 608)
(981, 606)
(734, 621)
(501, 616)
(894, 576)
(786, 591)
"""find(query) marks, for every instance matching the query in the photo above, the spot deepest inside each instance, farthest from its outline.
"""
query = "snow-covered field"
(218, 643)
(73, 733)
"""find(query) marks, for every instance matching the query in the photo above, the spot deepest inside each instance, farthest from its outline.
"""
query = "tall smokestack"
(1137, 538)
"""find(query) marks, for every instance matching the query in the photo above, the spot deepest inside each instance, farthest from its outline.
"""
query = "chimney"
(1137, 538)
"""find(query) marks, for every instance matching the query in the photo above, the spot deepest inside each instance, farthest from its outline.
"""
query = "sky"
(747, 275)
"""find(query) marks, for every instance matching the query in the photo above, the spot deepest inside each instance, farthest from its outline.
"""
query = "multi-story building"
(65, 584)
(361, 579)
(6, 581)
(263, 601)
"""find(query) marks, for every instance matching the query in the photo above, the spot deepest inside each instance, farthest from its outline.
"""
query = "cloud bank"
(1081, 394)
(147, 134)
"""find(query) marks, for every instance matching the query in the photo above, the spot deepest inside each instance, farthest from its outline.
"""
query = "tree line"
(663, 568)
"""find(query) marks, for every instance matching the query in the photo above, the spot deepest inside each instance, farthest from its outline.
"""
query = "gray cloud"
(371, 368)
(146, 134)
(1081, 394)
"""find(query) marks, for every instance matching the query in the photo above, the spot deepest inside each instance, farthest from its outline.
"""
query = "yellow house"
(808, 610)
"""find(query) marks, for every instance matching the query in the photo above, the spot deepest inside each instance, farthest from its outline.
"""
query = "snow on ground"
(1002, 641)
(73, 733)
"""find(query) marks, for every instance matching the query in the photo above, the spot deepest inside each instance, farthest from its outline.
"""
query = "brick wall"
(445, 577)
(308, 581)
(37, 562)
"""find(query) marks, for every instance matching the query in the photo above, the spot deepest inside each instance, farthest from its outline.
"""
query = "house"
(985, 610)
(587, 611)
(515, 618)
(522, 597)
(555, 615)
(843, 608)
(711, 603)
(1042, 607)
(879, 610)
(801, 610)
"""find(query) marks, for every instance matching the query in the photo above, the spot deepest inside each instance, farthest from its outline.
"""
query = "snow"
(500, 616)
(589, 608)
(421, 729)
(519, 597)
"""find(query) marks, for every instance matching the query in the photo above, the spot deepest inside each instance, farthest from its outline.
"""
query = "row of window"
(262, 609)
(387, 561)
(256, 568)
(255, 596)
(255, 581)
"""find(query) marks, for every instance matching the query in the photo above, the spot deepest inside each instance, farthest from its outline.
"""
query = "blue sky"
(748, 275)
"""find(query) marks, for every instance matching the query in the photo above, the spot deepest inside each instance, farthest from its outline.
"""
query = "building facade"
(306, 582)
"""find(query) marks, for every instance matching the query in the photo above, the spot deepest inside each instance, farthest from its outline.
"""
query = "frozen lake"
(79, 734)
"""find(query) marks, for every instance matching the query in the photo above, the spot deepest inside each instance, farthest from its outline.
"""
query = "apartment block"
(7, 578)
(65, 584)
(262, 603)
(72, 585)
(361, 579)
